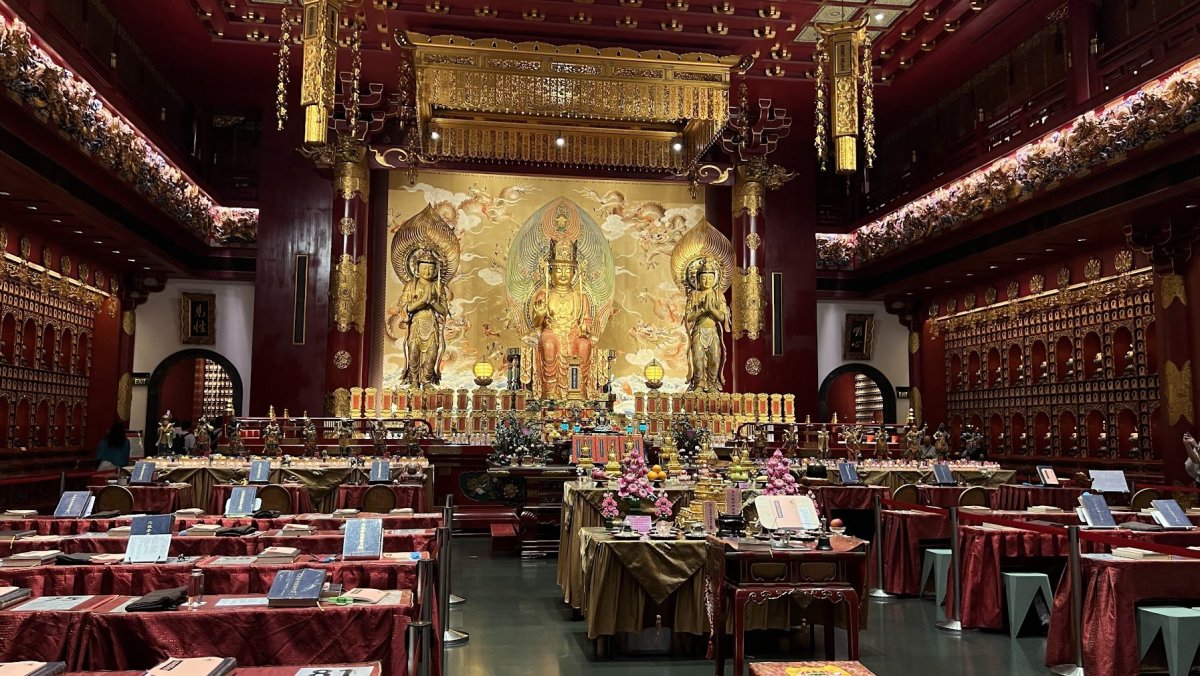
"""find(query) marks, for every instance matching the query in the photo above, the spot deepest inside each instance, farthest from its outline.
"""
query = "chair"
(1180, 628)
(275, 498)
(907, 494)
(379, 499)
(114, 499)
(936, 561)
(1020, 589)
(1142, 499)
(975, 496)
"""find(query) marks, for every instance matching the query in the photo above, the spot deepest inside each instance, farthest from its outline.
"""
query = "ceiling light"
(1081, 240)
(879, 16)
(31, 208)
(1049, 250)
(97, 241)
(993, 267)
(909, 293)
(1188, 206)
(677, 146)
(4, 194)
(970, 274)
(145, 267)
(1020, 258)
(928, 288)
(132, 260)
(77, 232)
(55, 220)
(560, 142)
(434, 135)
(116, 251)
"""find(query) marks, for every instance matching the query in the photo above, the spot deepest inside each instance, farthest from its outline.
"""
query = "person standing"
(113, 450)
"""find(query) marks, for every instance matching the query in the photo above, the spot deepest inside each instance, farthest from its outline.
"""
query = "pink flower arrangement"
(633, 484)
(662, 506)
(608, 508)
(779, 477)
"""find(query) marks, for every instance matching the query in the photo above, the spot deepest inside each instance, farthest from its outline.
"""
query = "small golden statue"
(425, 255)
(204, 431)
(823, 443)
(562, 314)
(702, 264)
(881, 444)
(345, 433)
(271, 434)
(310, 435)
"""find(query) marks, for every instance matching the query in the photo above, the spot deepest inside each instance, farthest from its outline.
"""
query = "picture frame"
(858, 340)
(198, 318)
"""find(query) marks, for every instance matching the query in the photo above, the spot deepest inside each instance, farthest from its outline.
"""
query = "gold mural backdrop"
(504, 223)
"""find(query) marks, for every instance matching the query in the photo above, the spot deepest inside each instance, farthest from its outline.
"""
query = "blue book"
(156, 524)
(74, 505)
(148, 548)
(260, 472)
(363, 539)
(296, 588)
(1170, 515)
(242, 501)
(1095, 512)
(848, 473)
(381, 472)
(143, 473)
(942, 475)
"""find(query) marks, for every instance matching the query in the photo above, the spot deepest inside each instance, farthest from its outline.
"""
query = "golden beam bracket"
(319, 37)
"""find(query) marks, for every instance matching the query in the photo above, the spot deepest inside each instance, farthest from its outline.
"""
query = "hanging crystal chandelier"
(843, 61)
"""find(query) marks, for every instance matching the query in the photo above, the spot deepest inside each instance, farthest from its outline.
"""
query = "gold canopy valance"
(506, 101)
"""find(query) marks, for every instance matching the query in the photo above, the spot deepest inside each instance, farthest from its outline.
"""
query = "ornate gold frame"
(186, 301)
(868, 323)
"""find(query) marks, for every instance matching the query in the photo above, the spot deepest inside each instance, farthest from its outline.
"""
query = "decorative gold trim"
(351, 174)
(1123, 262)
(747, 197)
(348, 294)
(1092, 270)
(1178, 392)
(748, 308)
(339, 403)
(347, 226)
(186, 300)
(128, 322)
(914, 342)
(341, 360)
(917, 405)
(318, 34)
(1170, 288)
(124, 395)
(753, 241)
(753, 366)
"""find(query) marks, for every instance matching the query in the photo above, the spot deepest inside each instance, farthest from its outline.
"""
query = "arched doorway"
(173, 386)
(857, 388)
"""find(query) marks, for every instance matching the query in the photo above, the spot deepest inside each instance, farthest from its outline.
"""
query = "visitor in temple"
(113, 449)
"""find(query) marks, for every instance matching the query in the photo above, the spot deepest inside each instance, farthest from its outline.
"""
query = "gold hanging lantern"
(319, 36)
(843, 60)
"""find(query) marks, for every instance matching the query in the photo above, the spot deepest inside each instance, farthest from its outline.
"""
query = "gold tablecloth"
(581, 509)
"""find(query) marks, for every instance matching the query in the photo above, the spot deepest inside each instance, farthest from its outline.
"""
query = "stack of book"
(1044, 509)
(119, 531)
(20, 513)
(1137, 553)
(10, 596)
(278, 555)
(16, 534)
(203, 529)
(296, 529)
(345, 513)
(189, 512)
(40, 557)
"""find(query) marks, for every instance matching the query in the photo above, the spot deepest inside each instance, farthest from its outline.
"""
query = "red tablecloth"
(47, 636)
(903, 532)
(218, 579)
(947, 496)
(834, 497)
(413, 520)
(158, 499)
(1112, 588)
(376, 670)
(253, 635)
(1012, 496)
(321, 542)
(301, 500)
(45, 525)
(412, 496)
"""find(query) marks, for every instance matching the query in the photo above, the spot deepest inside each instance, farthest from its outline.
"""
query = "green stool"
(1180, 629)
(936, 561)
(1020, 589)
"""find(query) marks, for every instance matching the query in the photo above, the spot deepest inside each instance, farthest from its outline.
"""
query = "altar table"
(301, 500)
(413, 496)
(156, 499)
(903, 533)
(322, 542)
(838, 497)
(1011, 496)
(1112, 589)
(896, 477)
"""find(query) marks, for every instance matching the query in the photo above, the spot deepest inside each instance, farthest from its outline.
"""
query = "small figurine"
(271, 434)
(344, 432)
(823, 443)
(1045, 367)
(235, 437)
(1130, 366)
(997, 378)
(166, 434)
(309, 431)
(204, 431)
(852, 438)
(940, 441)
(1023, 443)
(379, 437)
(881, 444)
(912, 442)
(1098, 365)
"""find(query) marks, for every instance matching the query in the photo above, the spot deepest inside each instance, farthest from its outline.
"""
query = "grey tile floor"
(520, 626)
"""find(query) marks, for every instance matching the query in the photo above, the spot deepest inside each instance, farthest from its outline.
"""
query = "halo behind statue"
(703, 245)
(423, 235)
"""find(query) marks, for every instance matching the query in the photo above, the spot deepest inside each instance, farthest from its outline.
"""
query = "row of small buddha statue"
(1098, 371)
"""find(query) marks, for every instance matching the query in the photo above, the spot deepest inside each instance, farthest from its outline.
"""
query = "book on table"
(344, 513)
(74, 505)
(189, 512)
(381, 472)
(1170, 515)
(848, 473)
(787, 512)
(11, 535)
(1095, 512)
(119, 531)
(143, 473)
(296, 588)
(278, 555)
(194, 666)
(243, 501)
(1109, 481)
(148, 548)
(260, 472)
(10, 596)
(1137, 553)
(405, 556)
(203, 529)
(29, 559)
(293, 528)
(363, 539)
(20, 513)
(55, 603)
(1047, 475)
(364, 595)
(32, 668)
(942, 475)
(153, 524)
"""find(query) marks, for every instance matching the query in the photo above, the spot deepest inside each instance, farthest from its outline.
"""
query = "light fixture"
(145, 267)
(31, 207)
(434, 135)
(96, 241)
(56, 220)
(677, 146)
(653, 374)
(1020, 258)
(879, 16)
(560, 141)
(928, 288)
(1081, 240)
(993, 267)
(116, 251)
(483, 371)
(1189, 206)
(77, 232)
(132, 260)
(4, 193)
(970, 274)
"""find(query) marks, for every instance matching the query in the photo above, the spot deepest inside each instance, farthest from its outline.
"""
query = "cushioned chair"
(379, 499)
(975, 496)
(114, 499)
(1142, 499)
(275, 498)
(907, 493)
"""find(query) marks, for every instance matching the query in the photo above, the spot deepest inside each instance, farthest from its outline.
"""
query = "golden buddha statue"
(702, 264)
(562, 314)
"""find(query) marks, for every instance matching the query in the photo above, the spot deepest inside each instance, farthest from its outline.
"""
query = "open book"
(792, 512)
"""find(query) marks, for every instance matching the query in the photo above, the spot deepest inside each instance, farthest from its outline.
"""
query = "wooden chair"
(379, 499)
(975, 496)
(114, 498)
(1142, 499)
(275, 498)
(907, 493)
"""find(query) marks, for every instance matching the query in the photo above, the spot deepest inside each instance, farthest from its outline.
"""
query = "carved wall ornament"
(748, 310)
(1178, 390)
(1037, 283)
(341, 359)
(124, 395)
(753, 366)
(347, 226)
(1091, 271)
(952, 305)
(84, 271)
(1064, 277)
(1123, 262)
(753, 241)
(1170, 287)
(914, 342)
(348, 294)
(1014, 289)
(989, 295)
(748, 197)
(3, 241)
(64, 265)
(198, 318)
(934, 310)
(25, 246)
(969, 301)
(129, 322)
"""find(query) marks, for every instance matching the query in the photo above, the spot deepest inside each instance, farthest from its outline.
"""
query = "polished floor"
(520, 626)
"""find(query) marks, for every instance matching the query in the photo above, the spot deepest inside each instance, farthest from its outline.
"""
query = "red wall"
(178, 393)
(841, 399)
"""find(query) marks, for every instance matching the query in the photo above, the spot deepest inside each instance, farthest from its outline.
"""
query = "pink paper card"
(639, 524)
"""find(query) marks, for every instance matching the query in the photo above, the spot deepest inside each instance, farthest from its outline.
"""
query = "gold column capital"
(351, 174)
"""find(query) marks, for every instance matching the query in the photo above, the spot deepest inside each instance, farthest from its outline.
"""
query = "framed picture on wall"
(198, 318)
(858, 342)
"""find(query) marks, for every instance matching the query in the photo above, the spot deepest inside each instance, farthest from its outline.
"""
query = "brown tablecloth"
(903, 532)
(947, 496)
(301, 501)
(1011, 496)
(411, 496)
(834, 497)
(322, 542)
(158, 499)
(897, 477)
(809, 669)
(1112, 589)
